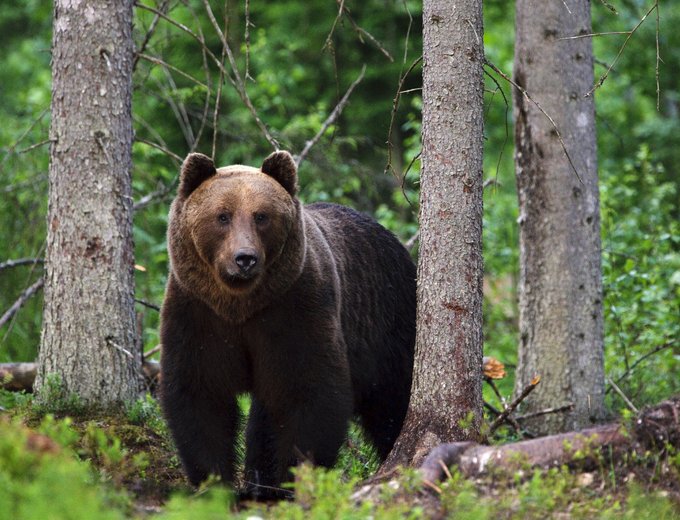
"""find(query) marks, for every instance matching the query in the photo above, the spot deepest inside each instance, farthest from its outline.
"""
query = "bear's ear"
(195, 169)
(281, 166)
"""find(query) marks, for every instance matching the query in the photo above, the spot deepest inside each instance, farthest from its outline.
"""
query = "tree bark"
(560, 288)
(88, 336)
(446, 396)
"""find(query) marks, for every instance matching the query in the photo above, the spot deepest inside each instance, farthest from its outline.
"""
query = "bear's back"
(378, 292)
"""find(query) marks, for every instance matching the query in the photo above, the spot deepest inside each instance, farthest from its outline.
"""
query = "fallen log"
(21, 376)
(655, 427)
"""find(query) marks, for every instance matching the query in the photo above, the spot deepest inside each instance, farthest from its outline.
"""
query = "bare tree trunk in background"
(446, 396)
(560, 289)
(88, 335)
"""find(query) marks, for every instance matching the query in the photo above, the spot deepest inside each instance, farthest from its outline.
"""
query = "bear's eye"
(260, 218)
(224, 218)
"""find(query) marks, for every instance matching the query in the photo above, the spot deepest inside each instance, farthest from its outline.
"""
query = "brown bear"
(309, 309)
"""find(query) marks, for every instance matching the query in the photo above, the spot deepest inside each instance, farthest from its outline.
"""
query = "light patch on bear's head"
(239, 220)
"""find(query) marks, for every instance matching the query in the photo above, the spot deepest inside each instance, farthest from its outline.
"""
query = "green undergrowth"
(124, 466)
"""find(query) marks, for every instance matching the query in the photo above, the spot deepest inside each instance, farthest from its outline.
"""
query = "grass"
(125, 467)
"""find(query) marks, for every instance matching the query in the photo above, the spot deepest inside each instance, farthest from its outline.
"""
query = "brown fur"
(309, 309)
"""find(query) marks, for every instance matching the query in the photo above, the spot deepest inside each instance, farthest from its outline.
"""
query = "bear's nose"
(245, 260)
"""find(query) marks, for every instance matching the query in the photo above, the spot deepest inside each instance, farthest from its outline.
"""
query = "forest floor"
(133, 460)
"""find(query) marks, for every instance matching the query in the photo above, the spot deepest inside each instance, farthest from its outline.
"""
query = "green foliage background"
(298, 74)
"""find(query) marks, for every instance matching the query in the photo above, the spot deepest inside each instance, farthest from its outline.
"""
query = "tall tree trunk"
(446, 396)
(560, 289)
(88, 335)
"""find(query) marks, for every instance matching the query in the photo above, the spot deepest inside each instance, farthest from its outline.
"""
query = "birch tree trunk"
(88, 336)
(560, 289)
(446, 395)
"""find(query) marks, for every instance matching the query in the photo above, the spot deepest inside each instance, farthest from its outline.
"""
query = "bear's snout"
(246, 259)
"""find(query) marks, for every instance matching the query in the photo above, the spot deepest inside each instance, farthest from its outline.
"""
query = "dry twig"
(20, 261)
(532, 100)
(23, 298)
(514, 404)
(330, 119)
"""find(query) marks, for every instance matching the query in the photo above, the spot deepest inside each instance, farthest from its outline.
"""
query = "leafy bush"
(641, 270)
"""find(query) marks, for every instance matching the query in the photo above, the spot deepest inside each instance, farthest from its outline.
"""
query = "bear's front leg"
(204, 433)
(309, 426)
(199, 405)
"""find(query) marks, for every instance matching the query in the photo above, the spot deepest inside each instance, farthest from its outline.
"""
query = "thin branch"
(16, 143)
(557, 409)
(656, 349)
(151, 352)
(36, 145)
(507, 130)
(148, 304)
(514, 404)
(23, 298)
(147, 37)
(618, 55)
(623, 396)
(206, 69)
(328, 43)
(361, 31)
(218, 98)
(166, 65)
(240, 86)
(150, 198)
(179, 108)
(511, 420)
(162, 148)
(658, 57)
(246, 38)
(532, 100)
(408, 32)
(592, 35)
(393, 115)
(20, 261)
(412, 241)
(180, 26)
(331, 118)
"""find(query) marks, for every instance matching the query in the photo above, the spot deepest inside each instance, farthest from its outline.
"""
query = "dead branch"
(21, 376)
(655, 427)
(238, 83)
(393, 115)
(532, 100)
(604, 76)
(514, 404)
(161, 148)
(363, 32)
(411, 242)
(509, 419)
(151, 352)
(147, 37)
(331, 118)
(158, 194)
(623, 396)
(16, 143)
(166, 65)
(23, 298)
(655, 350)
(149, 305)
(556, 409)
(20, 261)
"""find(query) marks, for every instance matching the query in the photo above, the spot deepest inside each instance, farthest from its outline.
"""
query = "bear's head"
(230, 226)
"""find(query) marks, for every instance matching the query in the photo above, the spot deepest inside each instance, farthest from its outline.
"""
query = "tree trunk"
(88, 337)
(446, 396)
(560, 288)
